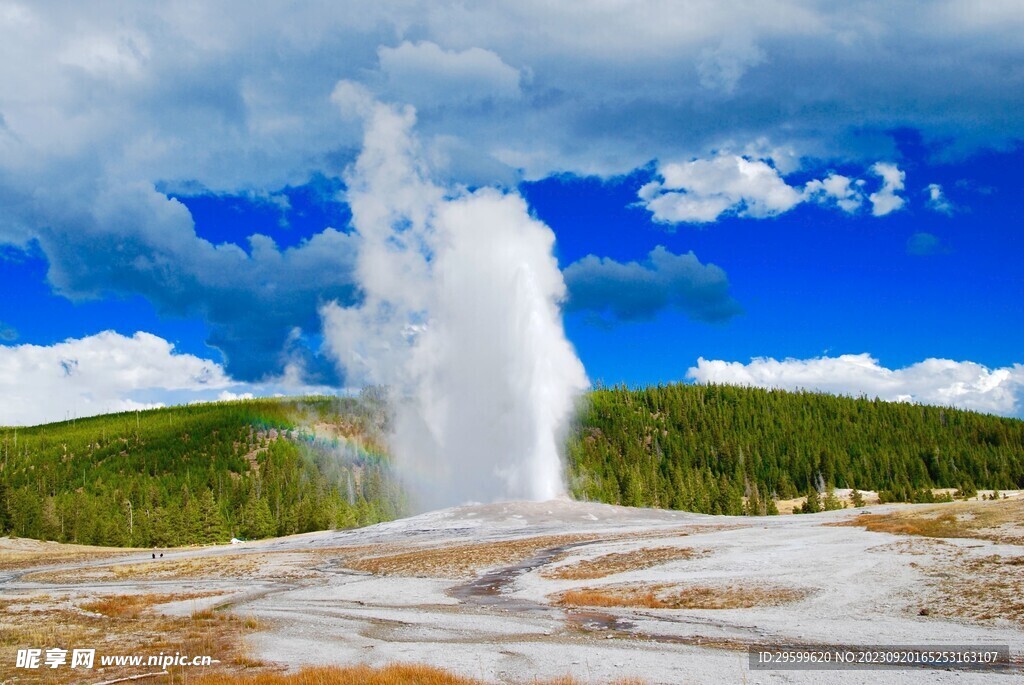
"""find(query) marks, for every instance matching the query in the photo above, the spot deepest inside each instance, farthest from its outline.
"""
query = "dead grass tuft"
(619, 562)
(673, 596)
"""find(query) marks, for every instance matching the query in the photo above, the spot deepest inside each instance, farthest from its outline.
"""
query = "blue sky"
(792, 195)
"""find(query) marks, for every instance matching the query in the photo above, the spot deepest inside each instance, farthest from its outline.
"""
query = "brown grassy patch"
(392, 674)
(619, 562)
(116, 625)
(18, 553)
(992, 589)
(460, 561)
(672, 596)
(945, 525)
(977, 589)
(1000, 521)
(131, 606)
(278, 565)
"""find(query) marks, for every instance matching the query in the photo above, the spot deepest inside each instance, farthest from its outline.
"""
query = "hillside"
(704, 448)
(258, 468)
(199, 473)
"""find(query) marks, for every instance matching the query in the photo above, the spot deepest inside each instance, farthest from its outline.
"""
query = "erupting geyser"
(460, 318)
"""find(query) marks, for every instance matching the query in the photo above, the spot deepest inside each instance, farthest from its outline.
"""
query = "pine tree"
(190, 527)
(813, 503)
(258, 522)
(857, 498)
(831, 502)
(211, 522)
(5, 512)
(50, 524)
(162, 529)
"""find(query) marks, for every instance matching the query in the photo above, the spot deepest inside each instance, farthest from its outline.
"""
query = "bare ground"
(522, 591)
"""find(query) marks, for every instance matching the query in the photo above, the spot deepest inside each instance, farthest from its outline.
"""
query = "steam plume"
(460, 317)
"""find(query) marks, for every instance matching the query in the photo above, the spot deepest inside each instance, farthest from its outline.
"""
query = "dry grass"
(116, 625)
(619, 562)
(392, 674)
(468, 560)
(132, 606)
(990, 588)
(968, 587)
(462, 561)
(19, 553)
(1000, 521)
(672, 596)
(277, 565)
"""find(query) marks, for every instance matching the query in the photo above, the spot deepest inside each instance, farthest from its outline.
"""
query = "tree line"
(734, 450)
(200, 474)
(255, 468)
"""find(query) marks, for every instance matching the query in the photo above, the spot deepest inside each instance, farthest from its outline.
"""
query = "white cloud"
(106, 372)
(122, 54)
(425, 74)
(591, 91)
(97, 103)
(110, 372)
(885, 200)
(842, 190)
(965, 384)
(228, 396)
(701, 190)
(937, 199)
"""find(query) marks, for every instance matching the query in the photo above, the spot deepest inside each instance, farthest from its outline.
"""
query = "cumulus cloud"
(228, 396)
(133, 239)
(885, 200)
(634, 291)
(937, 199)
(923, 244)
(103, 114)
(836, 188)
(592, 92)
(424, 74)
(107, 372)
(963, 384)
(7, 333)
(701, 190)
(110, 372)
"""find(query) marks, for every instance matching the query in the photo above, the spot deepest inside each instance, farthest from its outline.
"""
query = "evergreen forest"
(734, 450)
(200, 473)
(247, 469)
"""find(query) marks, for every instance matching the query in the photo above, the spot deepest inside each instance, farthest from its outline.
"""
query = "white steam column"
(461, 318)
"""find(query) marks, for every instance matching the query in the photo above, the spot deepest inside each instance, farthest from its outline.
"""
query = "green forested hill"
(255, 468)
(199, 473)
(703, 448)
